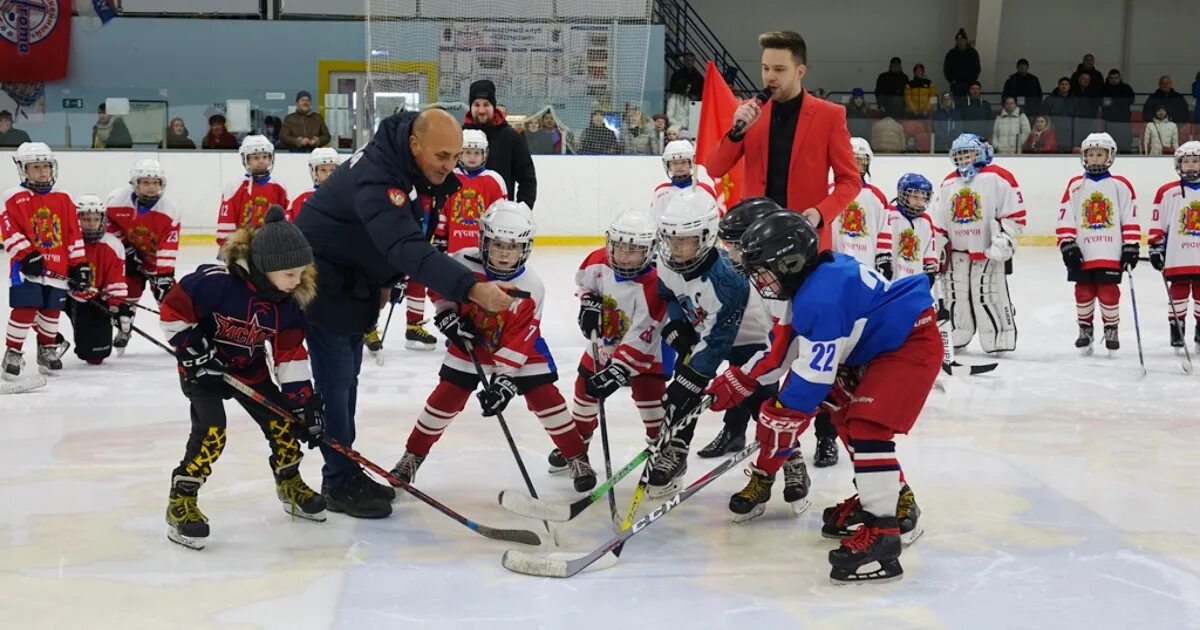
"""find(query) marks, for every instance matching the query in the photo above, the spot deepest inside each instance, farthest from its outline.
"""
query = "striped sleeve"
(112, 271)
(1066, 230)
(16, 243)
(639, 346)
(229, 216)
(770, 365)
(76, 255)
(291, 365)
(521, 333)
(1131, 229)
(168, 242)
(1158, 215)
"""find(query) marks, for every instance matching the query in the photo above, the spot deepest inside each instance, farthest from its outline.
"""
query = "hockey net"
(552, 61)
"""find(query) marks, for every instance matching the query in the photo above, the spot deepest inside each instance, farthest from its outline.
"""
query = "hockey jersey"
(969, 214)
(1099, 212)
(45, 222)
(510, 342)
(293, 211)
(632, 315)
(844, 314)
(912, 245)
(1175, 220)
(245, 202)
(861, 230)
(664, 192)
(458, 221)
(152, 230)
(224, 307)
(106, 257)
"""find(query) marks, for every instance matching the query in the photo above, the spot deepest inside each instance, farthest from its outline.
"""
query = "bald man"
(369, 225)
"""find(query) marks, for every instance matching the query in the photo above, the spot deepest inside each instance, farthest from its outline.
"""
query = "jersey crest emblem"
(143, 239)
(692, 308)
(854, 221)
(1097, 212)
(255, 212)
(909, 245)
(490, 327)
(966, 207)
(616, 322)
(1189, 220)
(468, 207)
(47, 228)
(397, 197)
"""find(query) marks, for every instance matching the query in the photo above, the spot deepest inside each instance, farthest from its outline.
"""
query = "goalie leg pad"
(957, 284)
(993, 307)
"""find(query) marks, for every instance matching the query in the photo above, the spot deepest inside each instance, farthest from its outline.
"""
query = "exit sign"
(72, 103)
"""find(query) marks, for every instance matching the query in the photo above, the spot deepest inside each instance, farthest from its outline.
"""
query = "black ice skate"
(1176, 333)
(14, 362)
(842, 519)
(581, 473)
(186, 524)
(871, 554)
(1084, 342)
(796, 482)
(298, 499)
(417, 338)
(120, 341)
(668, 466)
(826, 454)
(908, 515)
(355, 496)
(558, 464)
(1112, 338)
(406, 468)
(726, 442)
(751, 502)
(49, 356)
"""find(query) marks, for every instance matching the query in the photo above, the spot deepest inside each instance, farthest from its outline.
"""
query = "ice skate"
(841, 520)
(1084, 342)
(1112, 339)
(120, 342)
(796, 482)
(406, 469)
(908, 515)
(826, 454)
(558, 464)
(1196, 338)
(870, 554)
(1177, 335)
(669, 465)
(581, 473)
(13, 363)
(417, 338)
(186, 524)
(298, 499)
(751, 501)
(49, 357)
(726, 442)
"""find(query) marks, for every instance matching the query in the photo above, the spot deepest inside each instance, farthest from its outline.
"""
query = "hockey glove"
(440, 243)
(680, 335)
(1071, 254)
(202, 366)
(1001, 248)
(459, 331)
(883, 264)
(122, 317)
(1129, 255)
(312, 421)
(778, 426)
(133, 262)
(398, 291)
(495, 397)
(606, 382)
(683, 394)
(33, 265)
(160, 286)
(590, 315)
(730, 388)
(81, 277)
(842, 392)
(1158, 256)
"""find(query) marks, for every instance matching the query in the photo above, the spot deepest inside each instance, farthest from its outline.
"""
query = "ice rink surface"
(1056, 493)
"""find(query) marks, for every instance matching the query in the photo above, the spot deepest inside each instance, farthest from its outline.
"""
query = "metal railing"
(687, 32)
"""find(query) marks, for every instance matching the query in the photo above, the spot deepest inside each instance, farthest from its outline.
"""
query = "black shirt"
(779, 147)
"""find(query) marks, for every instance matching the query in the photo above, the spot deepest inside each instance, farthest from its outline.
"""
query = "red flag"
(717, 105)
(35, 37)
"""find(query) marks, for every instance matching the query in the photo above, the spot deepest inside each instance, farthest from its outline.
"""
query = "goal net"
(552, 61)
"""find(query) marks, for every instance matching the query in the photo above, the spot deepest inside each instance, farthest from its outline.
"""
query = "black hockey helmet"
(785, 244)
(742, 215)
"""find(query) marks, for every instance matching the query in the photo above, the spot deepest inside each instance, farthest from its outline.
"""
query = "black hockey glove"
(590, 315)
(495, 397)
(33, 265)
(122, 317)
(202, 367)
(160, 286)
(440, 243)
(883, 264)
(1158, 256)
(459, 331)
(683, 394)
(81, 277)
(133, 262)
(606, 382)
(680, 335)
(1129, 255)
(1071, 254)
(398, 291)
(312, 421)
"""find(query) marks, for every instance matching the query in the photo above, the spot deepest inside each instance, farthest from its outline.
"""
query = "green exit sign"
(72, 103)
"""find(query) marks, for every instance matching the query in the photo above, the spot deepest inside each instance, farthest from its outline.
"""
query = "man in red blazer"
(789, 155)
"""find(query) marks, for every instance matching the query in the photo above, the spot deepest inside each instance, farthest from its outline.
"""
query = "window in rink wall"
(224, 8)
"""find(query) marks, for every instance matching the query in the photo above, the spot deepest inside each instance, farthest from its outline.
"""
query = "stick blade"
(22, 385)
(522, 536)
(556, 565)
(522, 504)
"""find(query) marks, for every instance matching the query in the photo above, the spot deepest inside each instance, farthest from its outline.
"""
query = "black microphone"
(762, 98)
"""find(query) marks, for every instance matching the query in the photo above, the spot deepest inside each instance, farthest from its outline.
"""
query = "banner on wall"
(35, 38)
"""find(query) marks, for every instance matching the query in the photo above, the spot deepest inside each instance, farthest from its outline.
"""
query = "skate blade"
(754, 513)
(911, 537)
(121, 352)
(379, 359)
(555, 470)
(195, 544)
(419, 345)
(800, 506)
(1086, 352)
(871, 572)
(296, 512)
(658, 492)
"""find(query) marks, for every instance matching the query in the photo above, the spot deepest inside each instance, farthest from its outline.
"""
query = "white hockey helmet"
(688, 213)
(1191, 148)
(322, 157)
(257, 145)
(631, 229)
(506, 222)
(1099, 140)
(862, 153)
(477, 140)
(35, 153)
(147, 169)
(678, 150)
(90, 206)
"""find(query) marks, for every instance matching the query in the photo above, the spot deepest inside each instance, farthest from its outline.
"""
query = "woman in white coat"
(1010, 128)
(1160, 135)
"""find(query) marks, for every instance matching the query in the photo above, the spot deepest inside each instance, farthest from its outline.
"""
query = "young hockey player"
(679, 157)
(322, 162)
(619, 307)
(912, 231)
(869, 345)
(218, 319)
(1175, 240)
(245, 202)
(146, 222)
(458, 221)
(1099, 236)
(41, 235)
(508, 345)
(980, 212)
(861, 230)
(94, 311)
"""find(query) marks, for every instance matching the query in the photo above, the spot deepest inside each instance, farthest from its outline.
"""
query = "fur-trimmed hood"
(236, 251)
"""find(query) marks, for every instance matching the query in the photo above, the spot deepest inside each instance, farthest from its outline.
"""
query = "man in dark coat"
(1116, 109)
(1095, 83)
(1023, 85)
(961, 65)
(976, 112)
(889, 89)
(369, 225)
(508, 154)
(1166, 97)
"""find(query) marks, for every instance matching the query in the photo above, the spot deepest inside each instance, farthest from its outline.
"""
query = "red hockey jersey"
(633, 315)
(458, 222)
(106, 257)
(45, 222)
(246, 202)
(153, 231)
(298, 203)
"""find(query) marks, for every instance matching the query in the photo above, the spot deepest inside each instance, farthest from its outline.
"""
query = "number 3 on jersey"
(823, 354)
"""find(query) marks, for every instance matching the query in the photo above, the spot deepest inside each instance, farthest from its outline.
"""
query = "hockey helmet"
(910, 188)
(92, 219)
(970, 153)
(1098, 140)
(689, 213)
(785, 244)
(632, 230)
(30, 153)
(257, 145)
(147, 169)
(506, 222)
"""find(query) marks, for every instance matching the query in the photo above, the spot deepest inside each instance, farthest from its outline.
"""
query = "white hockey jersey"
(968, 214)
(861, 230)
(912, 245)
(632, 315)
(664, 192)
(1175, 219)
(1100, 215)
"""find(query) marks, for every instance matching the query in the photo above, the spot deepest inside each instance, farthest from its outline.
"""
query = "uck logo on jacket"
(854, 221)
(47, 228)
(909, 245)
(1097, 212)
(1189, 220)
(967, 207)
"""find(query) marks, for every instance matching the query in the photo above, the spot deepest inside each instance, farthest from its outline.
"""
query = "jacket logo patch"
(240, 332)
(397, 197)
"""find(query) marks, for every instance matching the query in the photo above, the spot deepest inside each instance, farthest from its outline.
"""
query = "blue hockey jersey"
(713, 300)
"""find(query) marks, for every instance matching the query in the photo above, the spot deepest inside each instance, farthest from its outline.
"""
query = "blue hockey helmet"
(970, 153)
(910, 188)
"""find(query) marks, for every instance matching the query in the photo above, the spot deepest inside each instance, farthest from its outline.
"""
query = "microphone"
(762, 98)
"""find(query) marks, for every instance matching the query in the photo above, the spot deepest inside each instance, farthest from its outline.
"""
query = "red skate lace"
(844, 510)
(861, 539)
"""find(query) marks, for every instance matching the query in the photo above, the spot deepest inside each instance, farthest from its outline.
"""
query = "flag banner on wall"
(717, 104)
(35, 38)
(104, 10)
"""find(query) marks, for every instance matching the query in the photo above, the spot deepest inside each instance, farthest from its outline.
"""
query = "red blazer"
(822, 142)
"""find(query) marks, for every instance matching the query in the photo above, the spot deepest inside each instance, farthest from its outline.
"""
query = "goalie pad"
(992, 305)
(956, 283)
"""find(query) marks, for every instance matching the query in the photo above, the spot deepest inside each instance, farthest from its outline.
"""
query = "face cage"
(622, 271)
(787, 278)
(664, 252)
(502, 274)
(270, 163)
(734, 244)
(1190, 177)
(864, 163)
(38, 187)
(1096, 169)
(482, 162)
(91, 236)
(147, 200)
(312, 170)
(969, 165)
(902, 202)
(679, 178)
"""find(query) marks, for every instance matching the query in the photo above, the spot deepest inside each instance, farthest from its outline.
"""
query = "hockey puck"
(518, 293)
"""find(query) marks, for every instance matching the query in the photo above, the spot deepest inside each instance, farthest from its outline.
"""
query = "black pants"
(93, 330)
(207, 438)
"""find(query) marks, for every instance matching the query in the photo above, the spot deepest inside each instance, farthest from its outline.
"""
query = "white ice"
(1056, 493)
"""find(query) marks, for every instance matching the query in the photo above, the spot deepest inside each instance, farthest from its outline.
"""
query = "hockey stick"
(954, 368)
(511, 535)
(1177, 325)
(530, 564)
(135, 329)
(1137, 325)
(612, 496)
(22, 385)
(950, 365)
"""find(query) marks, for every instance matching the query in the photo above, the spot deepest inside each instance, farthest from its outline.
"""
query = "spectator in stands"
(1116, 109)
(303, 130)
(1042, 138)
(1060, 106)
(887, 136)
(976, 112)
(1168, 98)
(1010, 129)
(272, 128)
(550, 123)
(635, 133)
(672, 133)
(177, 136)
(1025, 87)
(858, 117)
(910, 145)
(1161, 136)
(218, 137)
(1196, 96)
(920, 94)
(10, 137)
(947, 123)
(658, 135)
(508, 154)
(1087, 108)
(597, 138)
(889, 89)
(961, 65)
(110, 132)
(687, 80)
(539, 139)
(1095, 79)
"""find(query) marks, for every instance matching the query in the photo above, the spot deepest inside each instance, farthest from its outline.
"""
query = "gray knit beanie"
(278, 244)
